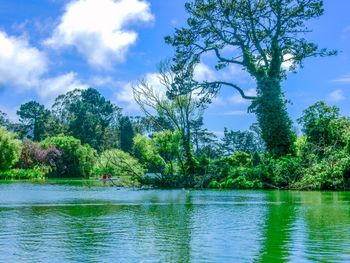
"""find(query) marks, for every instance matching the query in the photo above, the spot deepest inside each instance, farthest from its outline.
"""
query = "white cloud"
(336, 95)
(344, 79)
(20, 64)
(100, 29)
(288, 62)
(237, 98)
(235, 113)
(125, 93)
(50, 88)
(11, 112)
(203, 73)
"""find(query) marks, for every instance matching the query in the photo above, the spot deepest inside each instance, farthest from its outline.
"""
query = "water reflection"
(74, 223)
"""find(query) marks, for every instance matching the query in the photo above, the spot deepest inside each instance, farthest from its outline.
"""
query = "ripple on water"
(63, 223)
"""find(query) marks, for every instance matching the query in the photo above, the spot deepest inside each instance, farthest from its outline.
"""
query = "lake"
(84, 222)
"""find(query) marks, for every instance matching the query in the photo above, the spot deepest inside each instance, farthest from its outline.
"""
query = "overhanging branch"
(241, 91)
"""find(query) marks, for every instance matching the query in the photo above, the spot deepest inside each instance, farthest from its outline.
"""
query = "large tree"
(34, 120)
(263, 37)
(89, 117)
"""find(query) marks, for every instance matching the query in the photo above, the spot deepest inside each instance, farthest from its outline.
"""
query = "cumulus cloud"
(52, 87)
(20, 64)
(203, 73)
(100, 29)
(125, 92)
(336, 95)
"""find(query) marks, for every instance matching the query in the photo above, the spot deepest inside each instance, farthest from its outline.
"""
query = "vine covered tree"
(263, 37)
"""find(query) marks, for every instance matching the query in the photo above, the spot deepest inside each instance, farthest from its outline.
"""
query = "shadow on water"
(307, 226)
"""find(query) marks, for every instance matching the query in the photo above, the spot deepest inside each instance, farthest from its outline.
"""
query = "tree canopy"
(264, 38)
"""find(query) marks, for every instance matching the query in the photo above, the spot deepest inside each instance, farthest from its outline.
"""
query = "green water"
(81, 222)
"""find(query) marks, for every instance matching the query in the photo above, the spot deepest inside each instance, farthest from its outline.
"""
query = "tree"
(323, 125)
(4, 121)
(243, 141)
(205, 143)
(33, 118)
(89, 117)
(261, 37)
(127, 134)
(176, 105)
(168, 144)
(10, 149)
(147, 153)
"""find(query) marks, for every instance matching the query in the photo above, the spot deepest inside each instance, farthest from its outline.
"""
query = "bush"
(118, 163)
(77, 160)
(147, 153)
(330, 173)
(33, 155)
(25, 174)
(283, 172)
(10, 149)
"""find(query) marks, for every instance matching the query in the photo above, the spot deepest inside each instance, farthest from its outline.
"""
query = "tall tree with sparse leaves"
(261, 37)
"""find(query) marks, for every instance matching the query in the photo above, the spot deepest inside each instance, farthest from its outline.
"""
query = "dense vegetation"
(85, 135)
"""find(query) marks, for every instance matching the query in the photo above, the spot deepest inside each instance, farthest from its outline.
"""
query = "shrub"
(331, 172)
(10, 149)
(33, 155)
(77, 160)
(284, 171)
(25, 174)
(147, 153)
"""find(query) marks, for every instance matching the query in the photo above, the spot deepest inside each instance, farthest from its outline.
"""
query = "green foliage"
(147, 153)
(262, 33)
(25, 174)
(77, 160)
(126, 134)
(330, 173)
(282, 172)
(34, 120)
(89, 117)
(239, 178)
(323, 126)
(10, 149)
(4, 121)
(169, 145)
(118, 164)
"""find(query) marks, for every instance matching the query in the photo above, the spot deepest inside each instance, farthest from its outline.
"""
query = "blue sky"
(48, 47)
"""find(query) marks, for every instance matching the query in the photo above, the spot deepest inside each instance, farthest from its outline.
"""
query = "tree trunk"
(273, 118)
